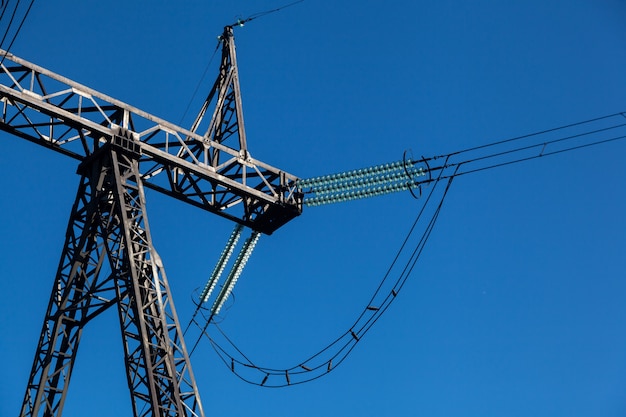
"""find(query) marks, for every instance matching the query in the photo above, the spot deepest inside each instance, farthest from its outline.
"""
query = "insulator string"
(221, 263)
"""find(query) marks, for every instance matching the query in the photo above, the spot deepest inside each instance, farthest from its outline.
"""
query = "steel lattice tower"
(108, 258)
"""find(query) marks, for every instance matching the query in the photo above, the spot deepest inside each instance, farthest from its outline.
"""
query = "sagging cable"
(235, 272)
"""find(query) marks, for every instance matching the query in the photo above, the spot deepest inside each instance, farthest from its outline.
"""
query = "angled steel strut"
(108, 257)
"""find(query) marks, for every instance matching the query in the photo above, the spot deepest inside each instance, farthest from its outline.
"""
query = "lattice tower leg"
(77, 296)
(109, 222)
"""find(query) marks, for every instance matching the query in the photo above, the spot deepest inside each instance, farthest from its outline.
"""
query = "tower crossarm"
(60, 114)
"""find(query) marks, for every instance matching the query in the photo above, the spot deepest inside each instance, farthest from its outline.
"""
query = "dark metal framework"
(108, 257)
(210, 171)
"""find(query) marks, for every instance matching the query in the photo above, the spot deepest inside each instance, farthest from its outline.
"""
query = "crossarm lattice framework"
(122, 150)
(202, 170)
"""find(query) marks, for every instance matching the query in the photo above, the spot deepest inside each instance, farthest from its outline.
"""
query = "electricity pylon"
(108, 258)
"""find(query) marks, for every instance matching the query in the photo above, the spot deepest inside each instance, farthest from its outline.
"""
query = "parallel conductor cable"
(360, 327)
(353, 338)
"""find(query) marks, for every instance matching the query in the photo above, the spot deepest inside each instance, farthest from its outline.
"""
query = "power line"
(5, 6)
(389, 178)
(594, 132)
(574, 136)
(19, 28)
(8, 29)
(333, 354)
(241, 22)
(195, 91)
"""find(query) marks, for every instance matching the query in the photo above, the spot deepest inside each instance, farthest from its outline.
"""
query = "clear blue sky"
(516, 307)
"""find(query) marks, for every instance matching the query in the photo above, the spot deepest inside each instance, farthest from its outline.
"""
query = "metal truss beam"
(209, 171)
